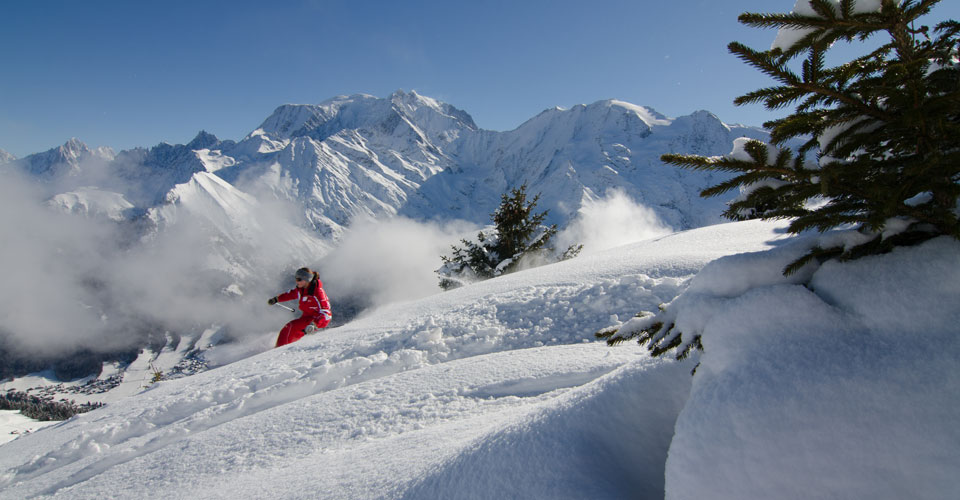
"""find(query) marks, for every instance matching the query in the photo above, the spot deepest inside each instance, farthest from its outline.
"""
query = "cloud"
(389, 261)
(73, 282)
(49, 261)
(612, 221)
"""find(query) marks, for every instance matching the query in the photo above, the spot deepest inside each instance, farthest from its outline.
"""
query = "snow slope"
(845, 386)
(13, 424)
(92, 202)
(415, 399)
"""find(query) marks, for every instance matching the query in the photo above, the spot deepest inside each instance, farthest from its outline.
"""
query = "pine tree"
(518, 235)
(887, 125)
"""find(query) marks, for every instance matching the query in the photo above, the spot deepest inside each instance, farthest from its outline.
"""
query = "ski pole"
(285, 307)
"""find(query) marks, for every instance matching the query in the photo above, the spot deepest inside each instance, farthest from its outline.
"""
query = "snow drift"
(845, 388)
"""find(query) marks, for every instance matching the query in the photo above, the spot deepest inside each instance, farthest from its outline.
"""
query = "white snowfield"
(848, 388)
(13, 424)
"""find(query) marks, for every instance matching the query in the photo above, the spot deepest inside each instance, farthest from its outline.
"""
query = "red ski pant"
(293, 331)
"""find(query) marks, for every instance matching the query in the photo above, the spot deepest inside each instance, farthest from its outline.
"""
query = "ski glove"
(272, 301)
(310, 329)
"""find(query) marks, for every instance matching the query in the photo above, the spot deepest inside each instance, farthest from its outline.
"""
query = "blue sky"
(130, 73)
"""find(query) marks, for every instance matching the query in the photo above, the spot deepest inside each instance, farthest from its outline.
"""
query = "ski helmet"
(303, 274)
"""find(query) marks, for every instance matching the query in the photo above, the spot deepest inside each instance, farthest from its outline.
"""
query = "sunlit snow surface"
(498, 390)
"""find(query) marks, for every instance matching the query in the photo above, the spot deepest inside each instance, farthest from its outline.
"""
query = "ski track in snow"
(290, 399)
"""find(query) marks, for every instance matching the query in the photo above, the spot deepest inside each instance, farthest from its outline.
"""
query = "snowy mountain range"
(407, 154)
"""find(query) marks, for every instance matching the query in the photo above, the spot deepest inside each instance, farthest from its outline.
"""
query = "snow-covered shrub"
(519, 239)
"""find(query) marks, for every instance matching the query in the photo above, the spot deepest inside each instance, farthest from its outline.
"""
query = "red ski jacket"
(314, 306)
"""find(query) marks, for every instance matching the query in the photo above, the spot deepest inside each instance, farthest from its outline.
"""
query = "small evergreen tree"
(518, 235)
(887, 125)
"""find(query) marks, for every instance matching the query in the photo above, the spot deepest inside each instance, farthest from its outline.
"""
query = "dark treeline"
(41, 409)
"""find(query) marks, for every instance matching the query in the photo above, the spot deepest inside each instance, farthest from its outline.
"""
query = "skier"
(313, 302)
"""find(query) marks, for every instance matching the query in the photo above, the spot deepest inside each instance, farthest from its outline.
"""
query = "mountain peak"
(416, 104)
(600, 118)
(292, 120)
(73, 148)
(203, 140)
(414, 100)
(702, 118)
(58, 161)
(703, 114)
(649, 115)
(361, 111)
(6, 157)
